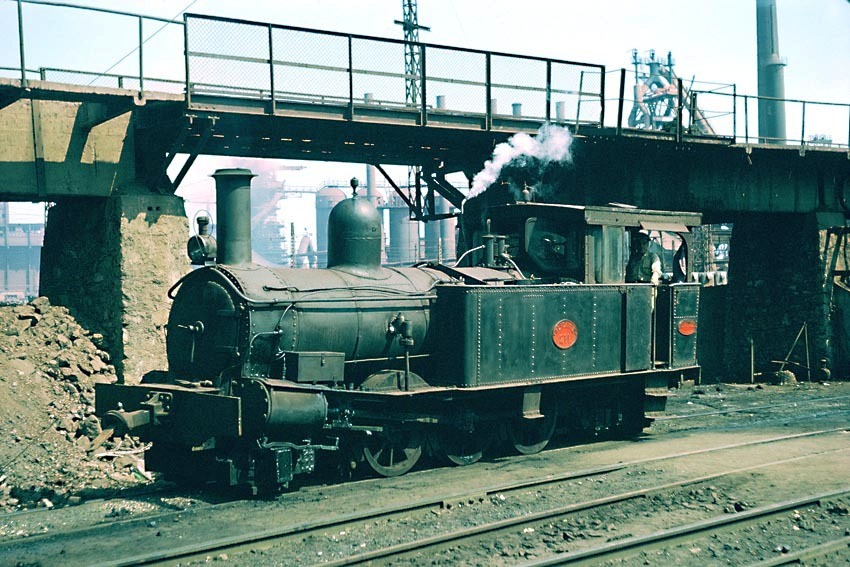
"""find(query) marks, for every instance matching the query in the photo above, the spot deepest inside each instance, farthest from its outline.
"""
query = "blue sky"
(712, 40)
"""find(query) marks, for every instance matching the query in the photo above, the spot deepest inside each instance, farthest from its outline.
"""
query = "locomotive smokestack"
(233, 212)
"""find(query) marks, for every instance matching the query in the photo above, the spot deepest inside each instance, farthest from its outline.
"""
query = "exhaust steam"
(526, 161)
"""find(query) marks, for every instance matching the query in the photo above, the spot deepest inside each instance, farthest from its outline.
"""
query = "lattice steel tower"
(412, 63)
(412, 55)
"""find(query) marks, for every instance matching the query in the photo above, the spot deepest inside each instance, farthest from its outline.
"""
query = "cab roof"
(626, 216)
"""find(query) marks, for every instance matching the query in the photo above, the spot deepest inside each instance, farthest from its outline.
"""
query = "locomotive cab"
(556, 243)
(568, 243)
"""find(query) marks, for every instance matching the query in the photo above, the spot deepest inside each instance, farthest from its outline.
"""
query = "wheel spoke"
(381, 453)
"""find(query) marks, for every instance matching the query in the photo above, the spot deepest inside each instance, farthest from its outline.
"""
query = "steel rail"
(200, 550)
(628, 547)
(816, 551)
(492, 528)
(752, 408)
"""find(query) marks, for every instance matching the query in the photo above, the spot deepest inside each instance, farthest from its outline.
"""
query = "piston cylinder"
(269, 410)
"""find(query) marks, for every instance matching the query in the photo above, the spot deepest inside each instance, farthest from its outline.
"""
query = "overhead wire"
(135, 49)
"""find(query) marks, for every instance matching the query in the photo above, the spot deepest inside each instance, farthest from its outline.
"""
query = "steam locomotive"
(273, 372)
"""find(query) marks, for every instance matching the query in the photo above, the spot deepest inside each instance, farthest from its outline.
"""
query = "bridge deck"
(254, 89)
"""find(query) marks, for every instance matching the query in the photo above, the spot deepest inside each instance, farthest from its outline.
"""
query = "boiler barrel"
(339, 311)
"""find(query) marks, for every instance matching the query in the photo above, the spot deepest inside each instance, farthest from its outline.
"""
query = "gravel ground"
(673, 507)
(316, 501)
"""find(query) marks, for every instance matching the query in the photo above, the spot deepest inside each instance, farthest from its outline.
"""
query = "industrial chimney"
(771, 75)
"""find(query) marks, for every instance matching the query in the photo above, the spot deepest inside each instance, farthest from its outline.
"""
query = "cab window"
(554, 249)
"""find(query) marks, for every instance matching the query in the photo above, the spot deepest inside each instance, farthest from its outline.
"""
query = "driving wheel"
(529, 436)
(463, 447)
(393, 454)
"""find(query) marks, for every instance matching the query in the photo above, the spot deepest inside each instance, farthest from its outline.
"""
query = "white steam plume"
(551, 144)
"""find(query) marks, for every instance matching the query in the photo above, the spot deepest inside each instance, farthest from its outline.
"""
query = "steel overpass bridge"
(261, 90)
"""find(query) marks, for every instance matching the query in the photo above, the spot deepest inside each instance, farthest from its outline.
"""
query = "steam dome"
(354, 234)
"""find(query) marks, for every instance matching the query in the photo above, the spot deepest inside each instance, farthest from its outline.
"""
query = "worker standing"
(644, 266)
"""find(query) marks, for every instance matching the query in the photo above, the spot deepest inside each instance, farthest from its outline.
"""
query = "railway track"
(104, 542)
(157, 491)
(615, 550)
(145, 501)
(752, 409)
(682, 534)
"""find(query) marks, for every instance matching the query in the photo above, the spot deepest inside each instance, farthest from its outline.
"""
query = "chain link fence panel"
(576, 94)
(378, 70)
(228, 58)
(518, 85)
(310, 66)
(458, 78)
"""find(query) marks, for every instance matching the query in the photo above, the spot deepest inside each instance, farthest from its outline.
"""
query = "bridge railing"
(360, 76)
(716, 110)
(807, 123)
(659, 103)
(235, 63)
(115, 45)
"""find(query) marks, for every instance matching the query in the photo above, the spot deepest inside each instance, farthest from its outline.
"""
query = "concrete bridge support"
(111, 260)
(780, 277)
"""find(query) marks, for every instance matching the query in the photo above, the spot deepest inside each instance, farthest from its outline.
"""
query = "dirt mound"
(49, 365)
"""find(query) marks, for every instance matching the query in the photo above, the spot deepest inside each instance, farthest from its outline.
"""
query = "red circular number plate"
(564, 334)
(687, 327)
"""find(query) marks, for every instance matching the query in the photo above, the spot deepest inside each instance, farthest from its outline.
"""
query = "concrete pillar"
(778, 280)
(110, 261)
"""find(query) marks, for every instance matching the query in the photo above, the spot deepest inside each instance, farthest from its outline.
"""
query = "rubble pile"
(49, 365)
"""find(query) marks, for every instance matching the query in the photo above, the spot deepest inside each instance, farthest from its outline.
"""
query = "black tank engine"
(272, 371)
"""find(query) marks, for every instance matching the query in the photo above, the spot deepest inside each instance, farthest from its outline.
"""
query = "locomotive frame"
(271, 370)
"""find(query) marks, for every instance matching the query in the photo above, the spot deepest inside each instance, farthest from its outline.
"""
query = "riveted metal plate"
(496, 335)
